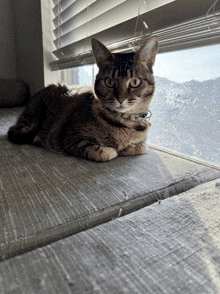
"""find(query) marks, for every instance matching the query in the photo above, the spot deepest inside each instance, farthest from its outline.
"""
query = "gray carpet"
(169, 247)
(47, 196)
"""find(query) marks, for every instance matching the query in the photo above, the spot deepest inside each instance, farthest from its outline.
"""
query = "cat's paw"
(133, 149)
(20, 134)
(101, 153)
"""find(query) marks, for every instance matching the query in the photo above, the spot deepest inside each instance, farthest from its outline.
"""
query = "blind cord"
(135, 29)
(216, 21)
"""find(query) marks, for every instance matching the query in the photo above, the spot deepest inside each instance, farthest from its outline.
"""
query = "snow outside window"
(186, 105)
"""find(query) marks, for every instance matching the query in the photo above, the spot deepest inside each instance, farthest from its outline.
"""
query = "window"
(186, 103)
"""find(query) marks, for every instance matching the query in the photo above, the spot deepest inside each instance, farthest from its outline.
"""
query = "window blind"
(123, 25)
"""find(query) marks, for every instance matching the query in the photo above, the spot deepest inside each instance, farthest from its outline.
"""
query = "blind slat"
(61, 5)
(185, 31)
(71, 11)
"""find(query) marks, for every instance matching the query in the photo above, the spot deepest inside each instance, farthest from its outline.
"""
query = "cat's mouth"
(118, 109)
(121, 108)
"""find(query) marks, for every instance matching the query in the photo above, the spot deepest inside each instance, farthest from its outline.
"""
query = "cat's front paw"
(133, 149)
(101, 153)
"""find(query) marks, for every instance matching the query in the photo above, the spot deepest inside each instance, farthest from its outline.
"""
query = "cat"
(99, 125)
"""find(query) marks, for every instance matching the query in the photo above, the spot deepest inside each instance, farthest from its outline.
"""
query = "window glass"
(83, 75)
(186, 104)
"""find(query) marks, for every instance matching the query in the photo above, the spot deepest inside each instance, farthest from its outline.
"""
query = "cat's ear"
(147, 53)
(101, 53)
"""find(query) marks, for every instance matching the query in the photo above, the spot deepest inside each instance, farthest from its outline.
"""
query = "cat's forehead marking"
(129, 75)
(116, 74)
(123, 63)
(121, 72)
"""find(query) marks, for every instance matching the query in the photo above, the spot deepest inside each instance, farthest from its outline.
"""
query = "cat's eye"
(109, 82)
(135, 82)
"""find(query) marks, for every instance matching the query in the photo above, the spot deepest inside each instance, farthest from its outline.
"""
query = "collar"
(133, 117)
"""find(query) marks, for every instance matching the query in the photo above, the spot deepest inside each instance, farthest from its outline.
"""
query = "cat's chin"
(122, 109)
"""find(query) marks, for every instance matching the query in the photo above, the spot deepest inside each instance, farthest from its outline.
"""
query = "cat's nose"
(121, 100)
(121, 92)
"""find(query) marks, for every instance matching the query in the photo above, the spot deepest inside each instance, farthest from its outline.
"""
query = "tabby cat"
(97, 125)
